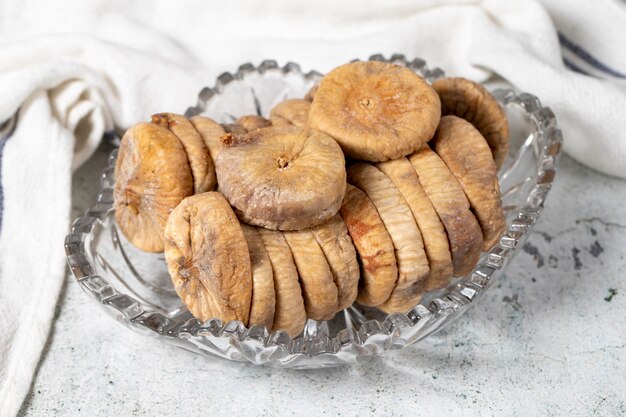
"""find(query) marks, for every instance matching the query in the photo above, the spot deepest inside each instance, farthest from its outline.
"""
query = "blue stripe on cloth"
(6, 131)
(587, 57)
(569, 64)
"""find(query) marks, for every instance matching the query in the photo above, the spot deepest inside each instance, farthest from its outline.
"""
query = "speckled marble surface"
(547, 339)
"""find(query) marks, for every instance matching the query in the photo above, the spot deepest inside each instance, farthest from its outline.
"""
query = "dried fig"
(318, 287)
(290, 315)
(334, 240)
(472, 102)
(401, 172)
(211, 133)
(253, 122)
(234, 129)
(407, 241)
(291, 112)
(450, 203)
(373, 245)
(376, 111)
(202, 169)
(263, 302)
(207, 257)
(466, 153)
(152, 176)
(282, 177)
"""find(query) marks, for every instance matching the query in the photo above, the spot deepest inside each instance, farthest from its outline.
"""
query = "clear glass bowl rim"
(444, 308)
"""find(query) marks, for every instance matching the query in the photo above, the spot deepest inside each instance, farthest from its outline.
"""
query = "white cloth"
(74, 69)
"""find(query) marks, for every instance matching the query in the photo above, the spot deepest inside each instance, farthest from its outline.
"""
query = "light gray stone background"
(547, 339)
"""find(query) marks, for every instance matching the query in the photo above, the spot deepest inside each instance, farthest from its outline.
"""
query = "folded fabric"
(71, 70)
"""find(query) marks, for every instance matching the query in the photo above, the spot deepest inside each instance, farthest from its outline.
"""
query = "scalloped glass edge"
(236, 342)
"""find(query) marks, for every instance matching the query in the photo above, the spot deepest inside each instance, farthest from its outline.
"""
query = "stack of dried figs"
(361, 192)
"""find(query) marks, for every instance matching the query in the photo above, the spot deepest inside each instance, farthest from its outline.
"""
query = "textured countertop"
(547, 339)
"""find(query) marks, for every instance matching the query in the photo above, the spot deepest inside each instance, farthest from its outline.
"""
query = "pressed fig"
(436, 245)
(263, 302)
(373, 245)
(412, 262)
(291, 112)
(376, 111)
(466, 154)
(211, 133)
(290, 315)
(152, 176)
(202, 169)
(334, 240)
(207, 257)
(471, 101)
(282, 178)
(316, 280)
(450, 203)
(234, 129)
(253, 122)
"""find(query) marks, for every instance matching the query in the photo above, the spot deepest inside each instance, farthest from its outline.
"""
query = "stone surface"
(547, 339)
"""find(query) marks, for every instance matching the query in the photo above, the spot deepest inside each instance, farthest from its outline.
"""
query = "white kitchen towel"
(71, 70)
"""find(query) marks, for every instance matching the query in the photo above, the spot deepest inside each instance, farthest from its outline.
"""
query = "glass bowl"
(135, 289)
